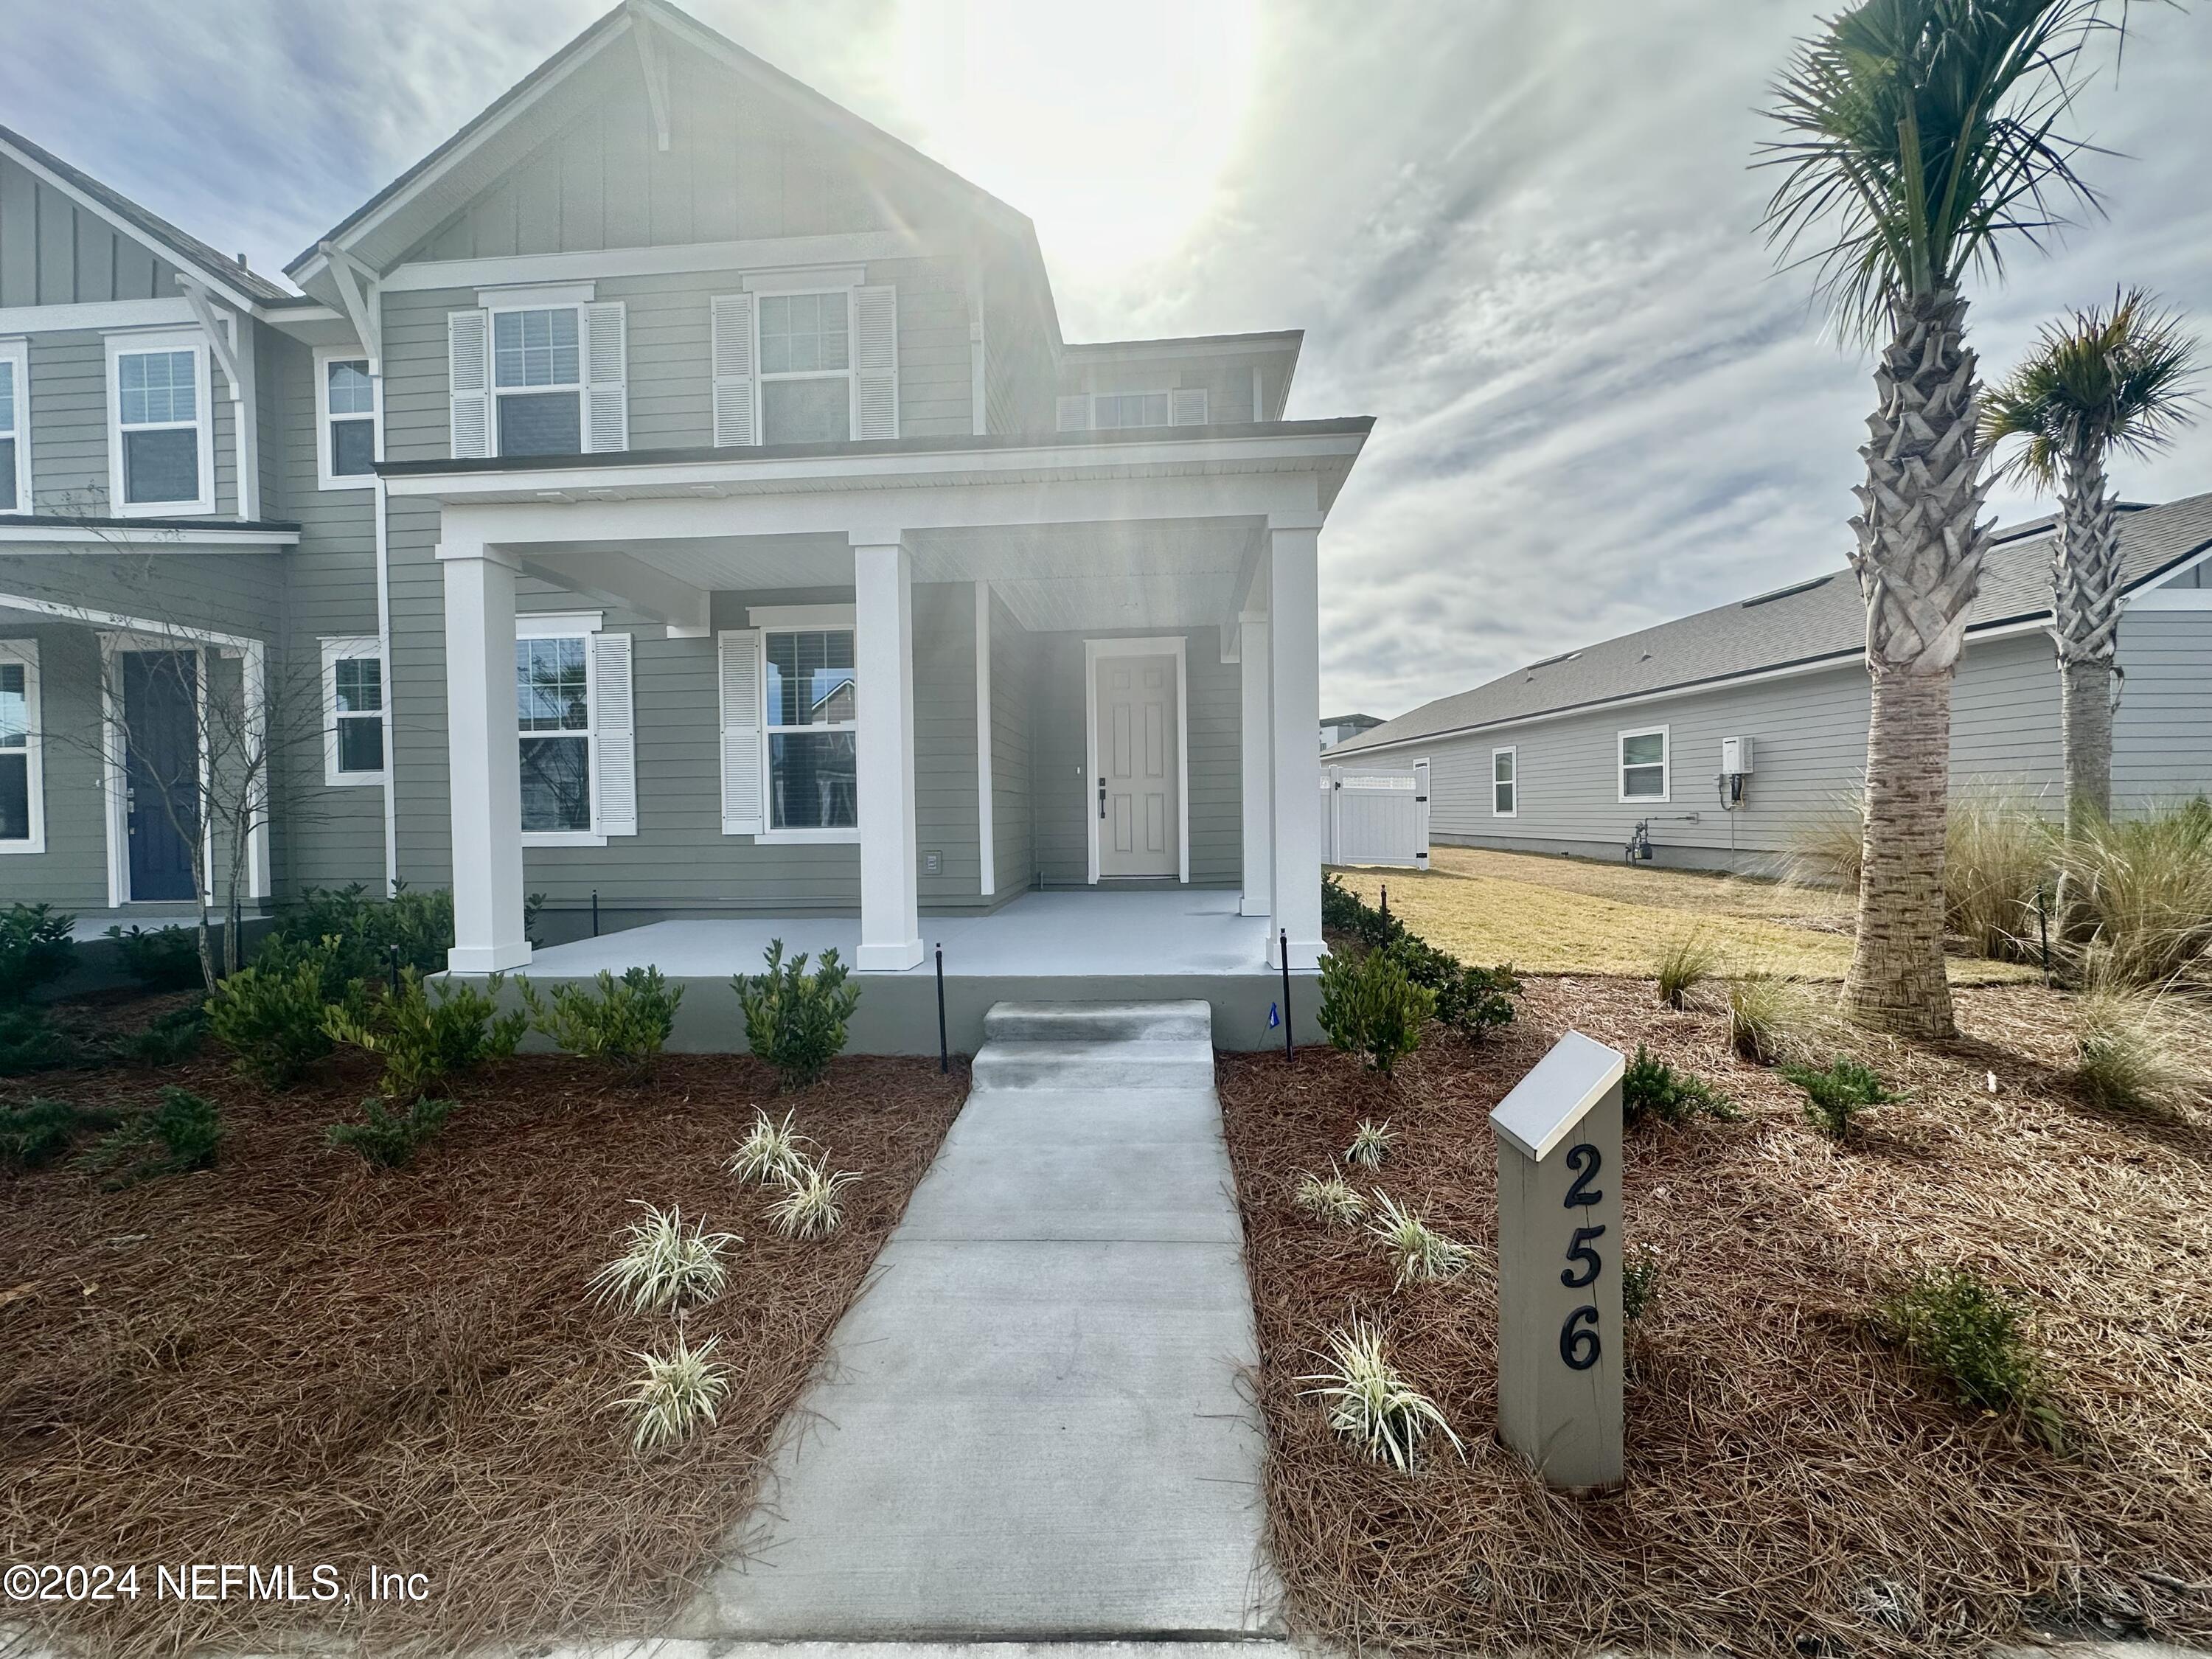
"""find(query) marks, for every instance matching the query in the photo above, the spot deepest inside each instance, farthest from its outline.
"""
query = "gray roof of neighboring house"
(1804, 622)
(189, 249)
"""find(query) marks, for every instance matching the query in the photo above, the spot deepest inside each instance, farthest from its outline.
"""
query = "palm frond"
(2102, 379)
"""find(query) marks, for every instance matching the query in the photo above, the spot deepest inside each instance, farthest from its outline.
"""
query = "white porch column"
(1255, 745)
(1294, 682)
(484, 762)
(883, 661)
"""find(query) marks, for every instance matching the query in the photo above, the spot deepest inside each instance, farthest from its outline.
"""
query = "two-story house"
(676, 499)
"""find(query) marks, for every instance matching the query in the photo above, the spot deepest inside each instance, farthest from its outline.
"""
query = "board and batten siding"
(54, 252)
(1810, 732)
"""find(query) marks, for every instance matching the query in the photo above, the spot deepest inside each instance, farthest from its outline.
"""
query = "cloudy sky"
(1521, 236)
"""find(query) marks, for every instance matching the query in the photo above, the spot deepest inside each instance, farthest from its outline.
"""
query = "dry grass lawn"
(1558, 915)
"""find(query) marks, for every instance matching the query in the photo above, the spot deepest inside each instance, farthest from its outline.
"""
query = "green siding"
(54, 252)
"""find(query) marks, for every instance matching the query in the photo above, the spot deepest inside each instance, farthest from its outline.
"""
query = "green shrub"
(365, 929)
(163, 959)
(1640, 1273)
(180, 1134)
(30, 1041)
(36, 948)
(1975, 1337)
(1650, 1088)
(1471, 1000)
(623, 1022)
(1369, 1006)
(425, 1037)
(39, 1130)
(176, 1035)
(1835, 1098)
(1339, 905)
(1686, 963)
(384, 1136)
(270, 1016)
(796, 1021)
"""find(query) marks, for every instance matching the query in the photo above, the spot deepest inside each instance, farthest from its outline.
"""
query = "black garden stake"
(944, 1053)
(595, 913)
(1289, 1047)
(395, 970)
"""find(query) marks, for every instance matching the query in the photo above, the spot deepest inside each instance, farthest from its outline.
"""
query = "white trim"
(558, 624)
(799, 618)
(325, 356)
(494, 391)
(114, 763)
(1159, 646)
(757, 254)
(1106, 351)
(824, 279)
(26, 652)
(1666, 795)
(2171, 598)
(986, 836)
(102, 314)
(564, 837)
(1512, 783)
(16, 354)
(768, 837)
(562, 625)
(353, 649)
(27, 540)
(122, 345)
(850, 374)
(543, 296)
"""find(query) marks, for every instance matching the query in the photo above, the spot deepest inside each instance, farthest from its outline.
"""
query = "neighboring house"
(682, 498)
(1571, 754)
(1339, 728)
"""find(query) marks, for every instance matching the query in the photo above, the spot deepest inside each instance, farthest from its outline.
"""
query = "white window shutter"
(614, 789)
(468, 362)
(875, 362)
(732, 315)
(741, 732)
(606, 375)
(1189, 406)
(1075, 413)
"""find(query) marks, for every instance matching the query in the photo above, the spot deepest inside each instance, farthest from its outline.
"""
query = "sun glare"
(1109, 124)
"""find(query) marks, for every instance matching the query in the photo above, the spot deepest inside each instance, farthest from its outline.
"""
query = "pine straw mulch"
(296, 1359)
(1792, 1481)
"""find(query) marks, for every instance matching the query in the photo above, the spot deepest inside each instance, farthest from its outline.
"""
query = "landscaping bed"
(297, 1357)
(1795, 1480)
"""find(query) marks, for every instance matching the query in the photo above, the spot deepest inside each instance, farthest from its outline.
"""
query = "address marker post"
(1558, 1265)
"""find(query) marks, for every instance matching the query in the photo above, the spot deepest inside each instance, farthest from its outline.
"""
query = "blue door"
(160, 692)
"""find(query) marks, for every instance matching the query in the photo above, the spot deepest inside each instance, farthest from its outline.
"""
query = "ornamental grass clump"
(1370, 1144)
(1370, 1404)
(794, 1020)
(1422, 1255)
(678, 1395)
(1975, 1336)
(667, 1265)
(2139, 1050)
(1329, 1198)
(2144, 883)
(1686, 963)
(1650, 1088)
(1836, 1096)
(813, 1205)
(625, 1023)
(769, 1153)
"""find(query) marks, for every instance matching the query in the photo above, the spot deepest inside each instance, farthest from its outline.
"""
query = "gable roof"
(148, 227)
(1819, 620)
(381, 230)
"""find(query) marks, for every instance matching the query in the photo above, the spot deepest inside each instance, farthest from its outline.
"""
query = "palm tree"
(1921, 142)
(2099, 382)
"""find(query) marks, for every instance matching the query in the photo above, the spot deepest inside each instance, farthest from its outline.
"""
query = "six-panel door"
(1134, 794)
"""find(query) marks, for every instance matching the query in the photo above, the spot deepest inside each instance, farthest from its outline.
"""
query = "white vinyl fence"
(1373, 815)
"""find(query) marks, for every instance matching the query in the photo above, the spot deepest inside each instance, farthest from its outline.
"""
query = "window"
(537, 381)
(812, 725)
(353, 694)
(345, 410)
(1505, 784)
(161, 457)
(806, 367)
(1644, 764)
(1115, 411)
(1110, 410)
(15, 424)
(553, 714)
(22, 811)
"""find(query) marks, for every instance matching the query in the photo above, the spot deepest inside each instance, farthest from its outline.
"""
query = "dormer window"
(1118, 412)
(537, 381)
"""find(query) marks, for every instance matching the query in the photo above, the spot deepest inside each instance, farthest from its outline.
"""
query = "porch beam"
(1294, 707)
(484, 770)
(1255, 748)
(882, 661)
(627, 584)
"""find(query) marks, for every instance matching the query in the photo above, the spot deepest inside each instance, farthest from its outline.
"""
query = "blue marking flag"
(1274, 1016)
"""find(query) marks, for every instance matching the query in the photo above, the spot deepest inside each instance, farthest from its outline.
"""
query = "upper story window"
(537, 381)
(1644, 764)
(813, 727)
(1115, 411)
(161, 435)
(22, 812)
(806, 367)
(345, 412)
(15, 449)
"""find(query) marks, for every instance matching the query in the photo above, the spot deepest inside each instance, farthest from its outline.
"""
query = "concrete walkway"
(1034, 1424)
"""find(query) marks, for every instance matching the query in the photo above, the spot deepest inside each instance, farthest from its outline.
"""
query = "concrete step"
(1094, 1067)
(1098, 1022)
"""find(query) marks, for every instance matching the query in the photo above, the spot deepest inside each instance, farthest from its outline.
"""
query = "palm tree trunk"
(2085, 621)
(1919, 564)
(2085, 697)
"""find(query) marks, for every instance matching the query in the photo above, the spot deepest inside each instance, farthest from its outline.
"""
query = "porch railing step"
(1099, 1022)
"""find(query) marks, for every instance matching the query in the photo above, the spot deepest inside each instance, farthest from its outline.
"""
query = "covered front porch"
(1075, 571)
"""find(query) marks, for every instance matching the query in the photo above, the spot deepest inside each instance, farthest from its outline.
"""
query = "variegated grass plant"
(813, 1205)
(1330, 1199)
(667, 1264)
(1420, 1252)
(1370, 1404)
(678, 1395)
(1370, 1141)
(769, 1153)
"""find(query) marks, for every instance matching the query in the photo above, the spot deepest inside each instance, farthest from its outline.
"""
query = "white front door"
(1139, 816)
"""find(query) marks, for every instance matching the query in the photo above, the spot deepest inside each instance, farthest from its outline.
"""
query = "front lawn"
(1796, 1480)
(296, 1357)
